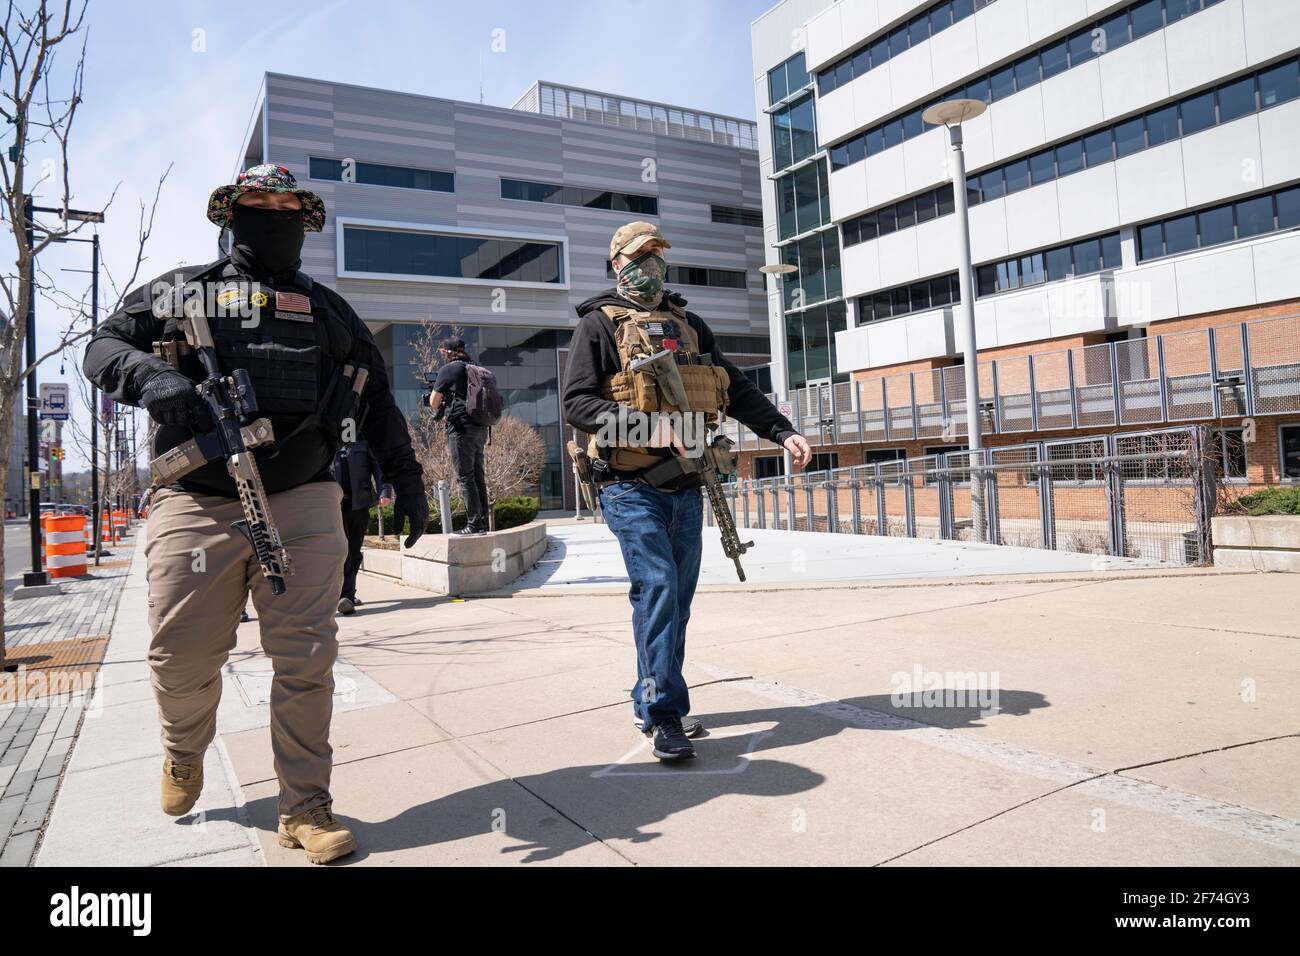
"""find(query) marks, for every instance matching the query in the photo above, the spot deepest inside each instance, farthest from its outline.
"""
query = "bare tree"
(30, 43)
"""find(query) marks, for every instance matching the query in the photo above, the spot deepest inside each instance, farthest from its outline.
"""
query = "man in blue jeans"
(638, 435)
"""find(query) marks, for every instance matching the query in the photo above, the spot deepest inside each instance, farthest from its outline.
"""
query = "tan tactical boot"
(317, 832)
(181, 785)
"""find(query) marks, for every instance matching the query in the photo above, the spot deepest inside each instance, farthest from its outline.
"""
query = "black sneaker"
(346, 607)
(691, 727)
(671, 742)
(468, 532)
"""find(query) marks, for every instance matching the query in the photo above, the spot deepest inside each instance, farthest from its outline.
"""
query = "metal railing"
(1146, 494)
(1250, 368)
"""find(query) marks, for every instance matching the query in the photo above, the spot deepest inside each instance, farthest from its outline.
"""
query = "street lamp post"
(952, 113)
(779, 358)
(36, 581)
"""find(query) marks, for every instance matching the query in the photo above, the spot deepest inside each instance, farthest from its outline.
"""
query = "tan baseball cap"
(628, 239)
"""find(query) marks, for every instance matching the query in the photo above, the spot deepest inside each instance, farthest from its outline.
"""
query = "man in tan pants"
(193, 615)
(297, 345)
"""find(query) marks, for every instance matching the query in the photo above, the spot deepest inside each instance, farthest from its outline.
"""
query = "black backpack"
(482, 397)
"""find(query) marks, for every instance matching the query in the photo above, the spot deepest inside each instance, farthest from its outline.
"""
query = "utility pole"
(36, 576)
(94, 405)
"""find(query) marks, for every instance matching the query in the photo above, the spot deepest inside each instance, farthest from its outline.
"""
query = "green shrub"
(1269, 501)
(512, 512)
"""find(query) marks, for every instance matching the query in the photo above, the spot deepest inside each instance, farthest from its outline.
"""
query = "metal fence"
(1140, 495)
(1250, 368)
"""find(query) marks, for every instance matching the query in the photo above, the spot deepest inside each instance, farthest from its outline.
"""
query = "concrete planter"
(452, 565)
(1267, 543)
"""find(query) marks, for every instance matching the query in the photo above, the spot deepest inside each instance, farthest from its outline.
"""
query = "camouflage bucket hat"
(267, 178)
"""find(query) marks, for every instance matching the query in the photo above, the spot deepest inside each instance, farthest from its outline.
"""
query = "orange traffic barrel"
(119, 525)
(105, 528)
(65, 545)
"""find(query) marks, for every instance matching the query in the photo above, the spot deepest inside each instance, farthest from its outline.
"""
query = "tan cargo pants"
(200, 572)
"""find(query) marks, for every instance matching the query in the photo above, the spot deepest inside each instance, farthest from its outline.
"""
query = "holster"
(171, 350)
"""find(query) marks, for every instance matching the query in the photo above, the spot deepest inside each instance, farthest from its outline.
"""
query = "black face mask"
(272, 238)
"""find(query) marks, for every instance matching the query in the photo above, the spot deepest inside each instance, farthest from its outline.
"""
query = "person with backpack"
(465, 395)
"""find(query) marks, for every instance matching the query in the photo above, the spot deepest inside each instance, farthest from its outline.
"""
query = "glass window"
(1180, 234)
(1175, 10)
(1130, 137)
(979, 90)
(1146, 17)
(1197, 113)
(887, 219)
(991, 185)
(913, 125)
(858, 148)
(830, 262)
(1027, 72)
(906, 213)
(926, 207)
(1162, 125)
(919, 30)
(843, 73)
(898, 41)
(901, 303)
(868, 144)
(1017, 176)
(882, 305)
(1087, 256)
(1279, 84)
(1056, 59)
(1031, 269)
(986, 280)
(776, 88)
(862, 61)
(781, 139)
(1254, 216)
(1002, 84)
(803, 128)
(1216, 226)
(961, 9)
(920, 296)
(1288, 440)
(1151, 241)
(1099, 147)
(839, 156)
(940, 18)
(1288, 208)
(1112, 34)
(1083, 46)
(946, 200)
(1110, 251)
(1058, 264)
(940, 292)
(880, 51)
(893, 133)
(1236, 99)
(1008, 275)
(1069, 157)
(974, 195)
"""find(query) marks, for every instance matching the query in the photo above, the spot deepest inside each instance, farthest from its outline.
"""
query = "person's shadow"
(553, 813)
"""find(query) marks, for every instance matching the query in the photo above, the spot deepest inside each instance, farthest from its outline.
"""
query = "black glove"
(170, 399)
(409, 501)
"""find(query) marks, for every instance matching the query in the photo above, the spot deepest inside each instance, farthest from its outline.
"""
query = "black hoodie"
(593, 358)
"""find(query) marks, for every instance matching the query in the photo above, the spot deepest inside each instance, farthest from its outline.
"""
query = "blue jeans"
(659, 533)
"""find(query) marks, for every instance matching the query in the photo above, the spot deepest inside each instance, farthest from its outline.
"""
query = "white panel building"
(1134, 191)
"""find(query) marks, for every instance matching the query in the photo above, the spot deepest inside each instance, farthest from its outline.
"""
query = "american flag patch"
(292, 302)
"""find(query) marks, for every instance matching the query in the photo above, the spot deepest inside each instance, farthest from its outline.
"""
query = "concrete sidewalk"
(1137, 720)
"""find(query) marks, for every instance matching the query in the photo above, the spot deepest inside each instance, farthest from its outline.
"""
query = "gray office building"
(496, 222)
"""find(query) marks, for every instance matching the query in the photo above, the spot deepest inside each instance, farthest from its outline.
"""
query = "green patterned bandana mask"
(642, 280)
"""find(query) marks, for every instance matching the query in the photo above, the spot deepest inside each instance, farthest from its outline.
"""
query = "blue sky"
(176, 82)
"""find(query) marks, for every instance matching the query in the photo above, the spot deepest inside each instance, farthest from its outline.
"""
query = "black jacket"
(120, 360)
(593, 358)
